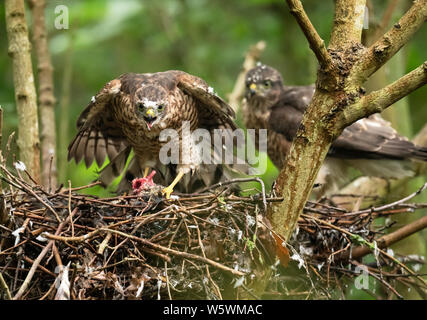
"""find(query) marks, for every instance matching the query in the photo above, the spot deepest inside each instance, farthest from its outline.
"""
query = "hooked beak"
(252, 89)
(149, 118)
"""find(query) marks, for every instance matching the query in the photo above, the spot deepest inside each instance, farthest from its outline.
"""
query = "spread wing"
(213, 111)
(98, 134)
(368, 138)
(374, 138)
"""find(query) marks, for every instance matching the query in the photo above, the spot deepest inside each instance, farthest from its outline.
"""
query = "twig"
(36, 263)
(389, 239)
(252, 56)
(28, 190)
(391, 42)
(5, 288)
(317, 44)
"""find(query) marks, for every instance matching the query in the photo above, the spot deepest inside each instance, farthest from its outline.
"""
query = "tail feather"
(115, 167)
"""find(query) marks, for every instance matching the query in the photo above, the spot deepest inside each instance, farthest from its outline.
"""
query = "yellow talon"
(168, 190)
(146, 172)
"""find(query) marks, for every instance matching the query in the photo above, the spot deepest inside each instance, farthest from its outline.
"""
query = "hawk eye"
(267, 83)
(160, 107)
(140, 105)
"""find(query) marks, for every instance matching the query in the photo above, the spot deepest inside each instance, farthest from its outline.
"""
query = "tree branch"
(348, 23)
(317, 44)
(25, 91)
(378, 100)
(251, 58)
(391, 238)
(386, 47)
(46, 94)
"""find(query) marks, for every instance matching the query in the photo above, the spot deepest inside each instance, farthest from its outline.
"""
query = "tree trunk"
(25, 92)
(339, 99)
(46, 95)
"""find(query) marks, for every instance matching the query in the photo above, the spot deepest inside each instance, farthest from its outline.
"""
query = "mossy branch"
(391, 42)
(379, 100)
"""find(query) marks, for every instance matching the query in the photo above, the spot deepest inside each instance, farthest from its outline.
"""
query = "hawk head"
(263, 85)
(151, 104)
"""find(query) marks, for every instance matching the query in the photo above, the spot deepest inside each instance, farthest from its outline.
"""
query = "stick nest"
(212, 245)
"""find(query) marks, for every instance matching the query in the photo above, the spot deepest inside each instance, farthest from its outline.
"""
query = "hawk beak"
(149, 117)
(150, 114)
(252, 89)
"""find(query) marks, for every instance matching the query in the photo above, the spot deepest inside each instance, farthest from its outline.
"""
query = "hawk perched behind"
(270, 105)
(130, 113)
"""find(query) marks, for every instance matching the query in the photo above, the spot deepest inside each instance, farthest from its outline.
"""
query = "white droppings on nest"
(41, 238)
(298, 258)
(17, 234)
(239, 235)
(19, 165)
(140, 288)
(239, 282)
(214, 220)
(305, 251)
(417, 267)
(250, 220)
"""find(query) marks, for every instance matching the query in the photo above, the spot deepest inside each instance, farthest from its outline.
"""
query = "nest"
(211, 245)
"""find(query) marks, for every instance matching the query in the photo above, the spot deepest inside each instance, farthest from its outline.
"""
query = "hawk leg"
(168, 190)
(146, 172)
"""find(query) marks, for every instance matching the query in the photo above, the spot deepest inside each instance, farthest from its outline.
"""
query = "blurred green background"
(206, 38)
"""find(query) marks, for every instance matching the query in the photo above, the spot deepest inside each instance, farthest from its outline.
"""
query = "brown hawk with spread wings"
(130, 112)
(370, 145)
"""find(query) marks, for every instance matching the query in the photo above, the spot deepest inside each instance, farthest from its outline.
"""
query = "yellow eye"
(267, 83)
(160, 107)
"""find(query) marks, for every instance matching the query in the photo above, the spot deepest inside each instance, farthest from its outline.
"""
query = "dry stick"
(390, 205)
(46, 94)
(40, 266)
(147, 243)
(30, 191)
(25, 91)
(3, 285)
(202, 248)
(387, 240)
(104, 243)
(253, 55)
(239, 180)
(38, 260)
(380, 280)
(69, 208)
(317, 44)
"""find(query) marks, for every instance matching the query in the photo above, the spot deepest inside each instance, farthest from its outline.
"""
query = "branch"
(378, 100)
(250, 60)
(387, 46)
(317, 44)
(348, 23)
(389, 239)
(25, 91)
(46, 94)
